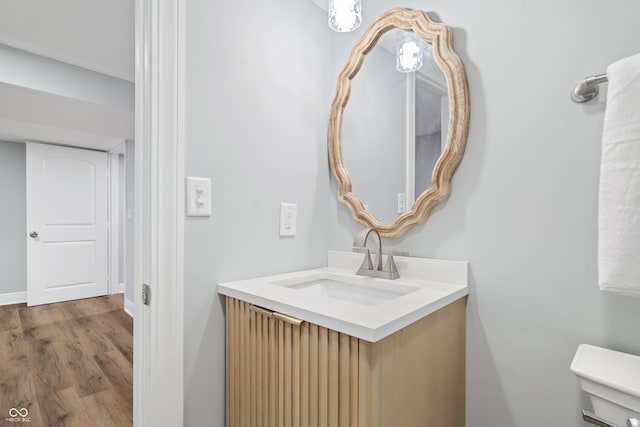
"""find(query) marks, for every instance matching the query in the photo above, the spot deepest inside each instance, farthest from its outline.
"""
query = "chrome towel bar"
(587, 88)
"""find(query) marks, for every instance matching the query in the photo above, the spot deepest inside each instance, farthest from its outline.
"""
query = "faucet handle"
(390, 266)
(366, 263)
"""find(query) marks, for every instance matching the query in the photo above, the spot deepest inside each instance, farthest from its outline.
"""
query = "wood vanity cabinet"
(279, 374)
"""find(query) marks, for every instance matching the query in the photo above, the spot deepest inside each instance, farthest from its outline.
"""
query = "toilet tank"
(612, 381)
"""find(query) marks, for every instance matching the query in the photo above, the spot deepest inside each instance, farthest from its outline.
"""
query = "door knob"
(33, 234)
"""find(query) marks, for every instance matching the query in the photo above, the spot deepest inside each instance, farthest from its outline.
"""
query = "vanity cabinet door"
(281, 374)
(318, 382)
(251, 366)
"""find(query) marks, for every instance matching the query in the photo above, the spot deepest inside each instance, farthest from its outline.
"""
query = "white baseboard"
(119, 288)
(129, 308)
(13, 298)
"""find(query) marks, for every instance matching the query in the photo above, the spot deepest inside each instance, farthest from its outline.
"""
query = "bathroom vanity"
(324, 347)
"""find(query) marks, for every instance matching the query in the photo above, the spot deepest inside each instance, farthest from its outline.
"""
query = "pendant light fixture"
(344, 15)
(409, 54)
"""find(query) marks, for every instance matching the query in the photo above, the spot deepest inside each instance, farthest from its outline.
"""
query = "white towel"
(619, 207)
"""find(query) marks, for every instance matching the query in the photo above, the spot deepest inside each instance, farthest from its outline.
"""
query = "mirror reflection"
(395, 124)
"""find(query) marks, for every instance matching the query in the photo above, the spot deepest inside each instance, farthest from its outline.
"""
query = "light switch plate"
(198, 196)
(288, 213)
(402, 202)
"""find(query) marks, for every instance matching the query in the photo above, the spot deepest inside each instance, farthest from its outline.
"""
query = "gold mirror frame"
(439, 36)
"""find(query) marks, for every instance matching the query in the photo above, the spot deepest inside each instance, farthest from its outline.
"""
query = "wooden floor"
(69, 364)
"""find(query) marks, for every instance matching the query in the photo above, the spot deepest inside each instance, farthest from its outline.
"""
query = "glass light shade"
(409, 57)
(344, 15)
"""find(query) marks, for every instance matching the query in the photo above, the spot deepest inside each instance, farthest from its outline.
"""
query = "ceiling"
(93, 34)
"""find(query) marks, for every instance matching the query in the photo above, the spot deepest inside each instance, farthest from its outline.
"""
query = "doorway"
(15, 228)
(67, 360)
(68, 223)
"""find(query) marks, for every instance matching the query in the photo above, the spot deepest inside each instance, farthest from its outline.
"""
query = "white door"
(66, 223)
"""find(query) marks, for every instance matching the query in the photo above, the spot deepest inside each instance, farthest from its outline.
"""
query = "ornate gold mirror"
(394, 150)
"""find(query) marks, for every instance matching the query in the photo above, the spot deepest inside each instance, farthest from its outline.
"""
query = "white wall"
(524, 205)
(257, 97)
(13, 214)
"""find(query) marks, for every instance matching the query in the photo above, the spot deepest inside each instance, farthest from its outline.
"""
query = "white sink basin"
(355, 290)
(364, 307)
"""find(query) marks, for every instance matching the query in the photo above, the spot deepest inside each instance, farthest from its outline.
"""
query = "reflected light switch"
(402, 202)
(198, 196)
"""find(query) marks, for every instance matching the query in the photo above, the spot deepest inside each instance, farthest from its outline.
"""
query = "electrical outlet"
(288, 213)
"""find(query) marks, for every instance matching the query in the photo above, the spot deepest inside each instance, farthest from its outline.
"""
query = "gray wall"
(13, 217)
(257, 97)
(524, 205)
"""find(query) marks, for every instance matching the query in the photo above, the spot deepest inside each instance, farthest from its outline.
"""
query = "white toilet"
(612, 381)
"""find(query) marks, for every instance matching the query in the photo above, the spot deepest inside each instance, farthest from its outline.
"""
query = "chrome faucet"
(368, 268)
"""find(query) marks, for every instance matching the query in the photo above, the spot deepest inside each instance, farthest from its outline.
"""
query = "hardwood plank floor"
(70, 364)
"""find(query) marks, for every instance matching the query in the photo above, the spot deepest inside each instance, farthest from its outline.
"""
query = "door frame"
(159, 213)
(113, 222)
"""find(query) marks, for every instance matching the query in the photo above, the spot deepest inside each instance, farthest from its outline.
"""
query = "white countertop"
(439, 283)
